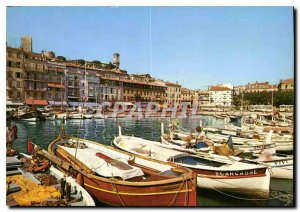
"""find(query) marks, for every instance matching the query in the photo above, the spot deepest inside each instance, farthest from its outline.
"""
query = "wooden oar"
(119, 164)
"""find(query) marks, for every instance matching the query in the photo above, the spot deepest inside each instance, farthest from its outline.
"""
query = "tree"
(265, 98)
(81, 61)
(97, 62)
(62, 58)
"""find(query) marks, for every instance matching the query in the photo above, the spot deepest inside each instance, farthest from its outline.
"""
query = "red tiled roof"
(36, 102)
(259, 83)
(172, 83)
(218, 88)
(287, 81)
(134, 82)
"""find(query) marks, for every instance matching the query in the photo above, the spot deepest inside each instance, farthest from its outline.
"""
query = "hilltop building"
(286, 85)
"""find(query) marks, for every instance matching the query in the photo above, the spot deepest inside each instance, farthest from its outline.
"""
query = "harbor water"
(103, 131)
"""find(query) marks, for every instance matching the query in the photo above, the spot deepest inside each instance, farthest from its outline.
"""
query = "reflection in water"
(103, 131)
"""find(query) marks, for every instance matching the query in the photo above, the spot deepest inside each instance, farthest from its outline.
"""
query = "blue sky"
(196, 46)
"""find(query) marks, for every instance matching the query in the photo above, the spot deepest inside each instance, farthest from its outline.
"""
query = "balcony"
(32, 78)
(56, 85)
(35, 89)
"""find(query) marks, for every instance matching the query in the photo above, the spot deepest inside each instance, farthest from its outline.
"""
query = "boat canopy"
(88, 157)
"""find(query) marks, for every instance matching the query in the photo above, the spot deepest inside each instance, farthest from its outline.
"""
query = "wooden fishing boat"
(281, 165)
(87, 116)
(117, 178)
(61, 115)
(75, 116)
(219, 116)
(51, 117)
(213, 172)
(242, 144)
(34, 115)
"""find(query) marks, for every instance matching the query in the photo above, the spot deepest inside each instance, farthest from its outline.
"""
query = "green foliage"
(97, 62)
(62, 58)
(110, 66)
(265, 98)
(81, 61)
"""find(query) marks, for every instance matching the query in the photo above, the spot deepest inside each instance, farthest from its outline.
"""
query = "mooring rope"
(115, 189)
(181, 186)
(248, 199)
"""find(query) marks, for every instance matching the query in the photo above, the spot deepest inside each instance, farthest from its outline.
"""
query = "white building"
(219, 95)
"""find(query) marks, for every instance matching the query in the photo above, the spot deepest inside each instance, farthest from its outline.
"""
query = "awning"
(58, 103)
(36, 102)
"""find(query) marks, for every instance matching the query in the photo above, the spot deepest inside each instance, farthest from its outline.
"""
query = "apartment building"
(173, 92)
(14, 74)
(35, 79)
(286, 85)
(221, 96)
(260, 87)
(56, 93)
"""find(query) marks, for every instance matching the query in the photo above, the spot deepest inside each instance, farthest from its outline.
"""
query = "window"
(18, 94)
(18, 74)
(18, 55)
(9, 64)
(49, 95)
(18, 65)
(56, 95)
(34, 95)
(18, 85)
(42, 95)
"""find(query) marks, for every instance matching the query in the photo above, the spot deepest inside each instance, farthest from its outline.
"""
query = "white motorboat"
(34, 119)
(87, 116)
(213, 171)
(75, 116)
(62, 115)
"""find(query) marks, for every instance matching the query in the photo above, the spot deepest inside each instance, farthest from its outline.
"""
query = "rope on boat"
(247, 199)
(176, 195)
(263, 199)
(115, 189)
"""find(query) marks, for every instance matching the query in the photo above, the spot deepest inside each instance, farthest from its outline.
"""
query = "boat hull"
(30, 119)
(61, 116)
(120, 195)
(252, 186)
(75, 116)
